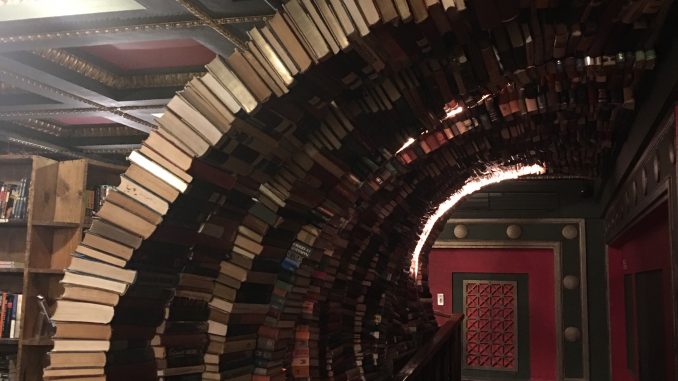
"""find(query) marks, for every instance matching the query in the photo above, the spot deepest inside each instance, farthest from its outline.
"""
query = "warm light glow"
(407, 144)
(158, 114)
(451, 112)
(493, 175)
(482, 99)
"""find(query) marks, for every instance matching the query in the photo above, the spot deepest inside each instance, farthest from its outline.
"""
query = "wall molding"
(553, 244)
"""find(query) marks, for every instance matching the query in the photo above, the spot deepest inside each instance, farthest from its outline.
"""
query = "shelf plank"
(38, 342)
(9, 341)
(56, 224)
(14, 223)
(46, 271)
(16, 159)
(12, 270)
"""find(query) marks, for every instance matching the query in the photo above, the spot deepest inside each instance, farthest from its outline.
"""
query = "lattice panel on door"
(491, 329)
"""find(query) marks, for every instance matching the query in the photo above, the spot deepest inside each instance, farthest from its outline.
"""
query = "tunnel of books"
(266, 226)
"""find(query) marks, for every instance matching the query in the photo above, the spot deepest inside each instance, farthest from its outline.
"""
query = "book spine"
(16, 211)
(7, 318)
(20, 208)
(3, 312)
(17, 326)
(15, 306)
(3, 202)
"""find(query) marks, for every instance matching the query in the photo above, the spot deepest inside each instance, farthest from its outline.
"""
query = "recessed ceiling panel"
(153, 54)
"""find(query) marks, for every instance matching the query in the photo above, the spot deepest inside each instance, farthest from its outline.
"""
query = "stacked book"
(100, 332)
(263, 231)
(94, 199)
(14, 199)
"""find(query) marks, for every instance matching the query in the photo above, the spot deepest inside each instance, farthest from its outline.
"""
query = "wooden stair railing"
(440, 358)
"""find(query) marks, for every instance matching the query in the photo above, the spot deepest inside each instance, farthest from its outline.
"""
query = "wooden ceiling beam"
(205, 17)
(44, 147)
(39, 82)
(143, 31)
(56, 111)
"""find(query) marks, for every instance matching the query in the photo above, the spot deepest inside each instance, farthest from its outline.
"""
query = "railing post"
(439, 358)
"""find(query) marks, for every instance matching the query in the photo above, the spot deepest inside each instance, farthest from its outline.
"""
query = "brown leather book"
(154, 156)
(310, 9)
(154, 184)
(256, 59)
(92, 281)
(240, 65)
(280, 51)
(60, 360)
(86, 265)
(225, 96)
(356, 17)
(273, 58)
(195, 118)
(208, 104)
(72, 311)
(105, 229)
(282, 31)
(419, 12)
(169, 151)
(307, 31)
(387, 10)
(125, 219)
(87, 294)
(231, 83)
(77, 330)
(108, 246)
(81, 373)
(174, 129)
(142, 195)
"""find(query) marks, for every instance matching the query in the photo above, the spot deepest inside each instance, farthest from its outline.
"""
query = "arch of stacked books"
(264, 230)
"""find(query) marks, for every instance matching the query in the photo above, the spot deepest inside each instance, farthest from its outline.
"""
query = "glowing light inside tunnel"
(406, 144)
(451, 112)
(493, 175)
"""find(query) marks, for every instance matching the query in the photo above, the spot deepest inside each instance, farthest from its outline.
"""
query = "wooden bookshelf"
(43, 242)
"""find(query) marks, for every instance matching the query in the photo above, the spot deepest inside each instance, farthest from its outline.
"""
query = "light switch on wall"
(441, 299)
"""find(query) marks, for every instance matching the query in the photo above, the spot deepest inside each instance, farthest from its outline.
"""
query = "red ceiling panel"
(153, 54)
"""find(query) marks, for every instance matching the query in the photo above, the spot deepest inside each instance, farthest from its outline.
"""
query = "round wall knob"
(570, 231)
(514, 231)
(570, 282)
(572, 334)
(460, 231)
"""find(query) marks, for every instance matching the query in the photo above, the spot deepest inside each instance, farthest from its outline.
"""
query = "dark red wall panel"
(537, 263)
(645, 247)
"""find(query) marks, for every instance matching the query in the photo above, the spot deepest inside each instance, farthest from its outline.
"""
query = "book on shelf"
(11, 265)
(14, 200)
(10, 315)
(94, 199)
(8, 370)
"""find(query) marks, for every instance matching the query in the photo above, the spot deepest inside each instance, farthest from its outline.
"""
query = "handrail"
(439, 358)
(443, 314)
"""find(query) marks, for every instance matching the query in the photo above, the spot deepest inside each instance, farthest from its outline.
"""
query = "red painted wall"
(645, 247)
(537, 263)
